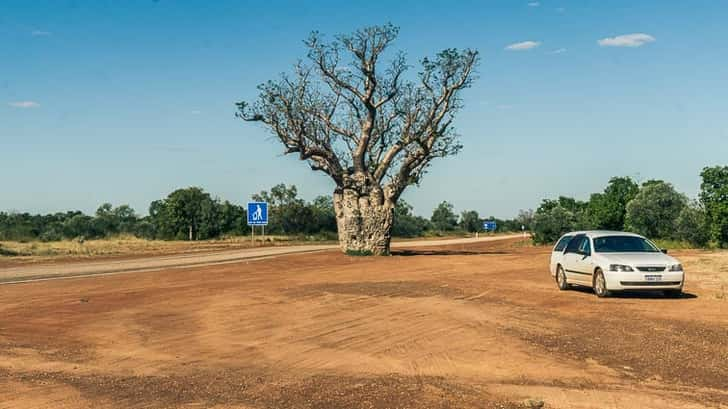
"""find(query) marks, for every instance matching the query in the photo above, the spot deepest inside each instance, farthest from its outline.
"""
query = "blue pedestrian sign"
(257, 214)
(489, 226)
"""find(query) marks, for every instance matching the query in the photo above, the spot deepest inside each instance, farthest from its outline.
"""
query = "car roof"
(601, 233)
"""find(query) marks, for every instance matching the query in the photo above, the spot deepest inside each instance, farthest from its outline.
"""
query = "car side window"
(585, 247)
(575, 244)
(561, 245)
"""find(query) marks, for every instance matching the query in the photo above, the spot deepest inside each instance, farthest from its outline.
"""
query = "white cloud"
(627, 40)
(24, 104)
(534, 4)
(522, 46)
(195, 112)
(40, 33)
(558, 51)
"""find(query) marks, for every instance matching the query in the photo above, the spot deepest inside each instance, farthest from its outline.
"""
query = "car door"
(557, 254)
(577, 260)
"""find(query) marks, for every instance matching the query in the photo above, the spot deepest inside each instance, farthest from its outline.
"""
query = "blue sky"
(122, 102)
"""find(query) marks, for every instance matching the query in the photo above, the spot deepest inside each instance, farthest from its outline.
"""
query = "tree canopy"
(365, 122)
(714, 197)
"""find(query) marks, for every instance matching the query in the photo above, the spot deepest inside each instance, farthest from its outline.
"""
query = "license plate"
(653, 277)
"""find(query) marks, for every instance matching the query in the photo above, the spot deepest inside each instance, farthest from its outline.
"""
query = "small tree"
(324, 217)
(550, 222)
(363, 123)
(186, 213)
(654, 210)
(288, 213)
(691, 226)
(607, 210)
(406, 223)
(524, 219)
(714, 196)
(470, 221)
(444, 218)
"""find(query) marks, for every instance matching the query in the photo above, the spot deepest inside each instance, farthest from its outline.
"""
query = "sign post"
(490, 226)
(257, 216)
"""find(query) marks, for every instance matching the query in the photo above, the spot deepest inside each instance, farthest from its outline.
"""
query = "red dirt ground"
(465, 326)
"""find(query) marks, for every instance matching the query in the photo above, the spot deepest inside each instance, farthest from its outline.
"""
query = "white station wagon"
(614, 261)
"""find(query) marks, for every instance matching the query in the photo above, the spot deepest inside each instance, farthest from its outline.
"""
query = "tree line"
(193, 214)
(654, 209)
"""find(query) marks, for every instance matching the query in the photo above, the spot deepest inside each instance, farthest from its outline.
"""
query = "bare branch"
(360, 123)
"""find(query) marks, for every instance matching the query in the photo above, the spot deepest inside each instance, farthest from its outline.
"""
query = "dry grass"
(709, 269)
(33, 251)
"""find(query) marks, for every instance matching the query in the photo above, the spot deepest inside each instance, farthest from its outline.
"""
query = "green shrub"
(691, 226)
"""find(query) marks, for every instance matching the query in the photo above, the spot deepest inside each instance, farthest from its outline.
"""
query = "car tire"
(600, 284)
(672, 293)
(561, 279)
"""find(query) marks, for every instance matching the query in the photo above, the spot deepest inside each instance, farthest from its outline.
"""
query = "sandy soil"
(477, 325)
(11, 272)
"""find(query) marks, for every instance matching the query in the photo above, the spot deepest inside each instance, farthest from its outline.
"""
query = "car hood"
(642, 259)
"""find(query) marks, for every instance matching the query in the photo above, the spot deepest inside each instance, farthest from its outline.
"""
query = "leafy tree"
(126, 218)
(550, 222)
(324, 218)
(80, 226)
(691, 225)
(110, 220)
(525, 219)
(444, 218)
(654, 210)
(287, 212)
(470, 221)
(567, 203)
(406, 223)
(186, 213)
(365, 125)
(233, 219)
(607, 210)
(714, 196)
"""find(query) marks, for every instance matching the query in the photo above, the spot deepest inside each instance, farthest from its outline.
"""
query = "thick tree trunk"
(364, 221)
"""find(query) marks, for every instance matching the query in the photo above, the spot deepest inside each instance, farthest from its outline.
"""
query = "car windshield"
(624, 244)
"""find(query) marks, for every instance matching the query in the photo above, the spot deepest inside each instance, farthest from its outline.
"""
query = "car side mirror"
(664, 251)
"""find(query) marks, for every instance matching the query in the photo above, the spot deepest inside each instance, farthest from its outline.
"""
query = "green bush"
(654, 210)
(549, 224)
(691, 226)
(714, 197)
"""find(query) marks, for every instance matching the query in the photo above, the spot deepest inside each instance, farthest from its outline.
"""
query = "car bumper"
(640, 281)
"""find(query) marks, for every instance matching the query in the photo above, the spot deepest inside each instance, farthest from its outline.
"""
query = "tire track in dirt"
(326, 330)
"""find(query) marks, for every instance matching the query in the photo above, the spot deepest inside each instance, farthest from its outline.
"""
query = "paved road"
(28, 273)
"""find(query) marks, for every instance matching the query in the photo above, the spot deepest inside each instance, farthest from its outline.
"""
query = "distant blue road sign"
(489, 226)
(257, 214)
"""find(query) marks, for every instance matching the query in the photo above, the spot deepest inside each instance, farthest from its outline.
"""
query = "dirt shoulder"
(199, 257)
(462, 326)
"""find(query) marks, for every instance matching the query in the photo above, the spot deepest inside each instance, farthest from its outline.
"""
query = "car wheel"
(561, 279)
(600, 284)
(673, 293)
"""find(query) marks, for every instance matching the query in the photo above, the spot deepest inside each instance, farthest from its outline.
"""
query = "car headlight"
(675, 267)
(620, 267)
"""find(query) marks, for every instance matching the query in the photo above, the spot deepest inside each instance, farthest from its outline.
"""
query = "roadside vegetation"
(191, 219)
(654, 209)
(127, 245)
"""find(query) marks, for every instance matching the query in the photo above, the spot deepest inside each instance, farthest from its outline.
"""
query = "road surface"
(26, 273)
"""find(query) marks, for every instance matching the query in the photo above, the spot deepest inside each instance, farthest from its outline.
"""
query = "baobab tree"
(367, 124)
